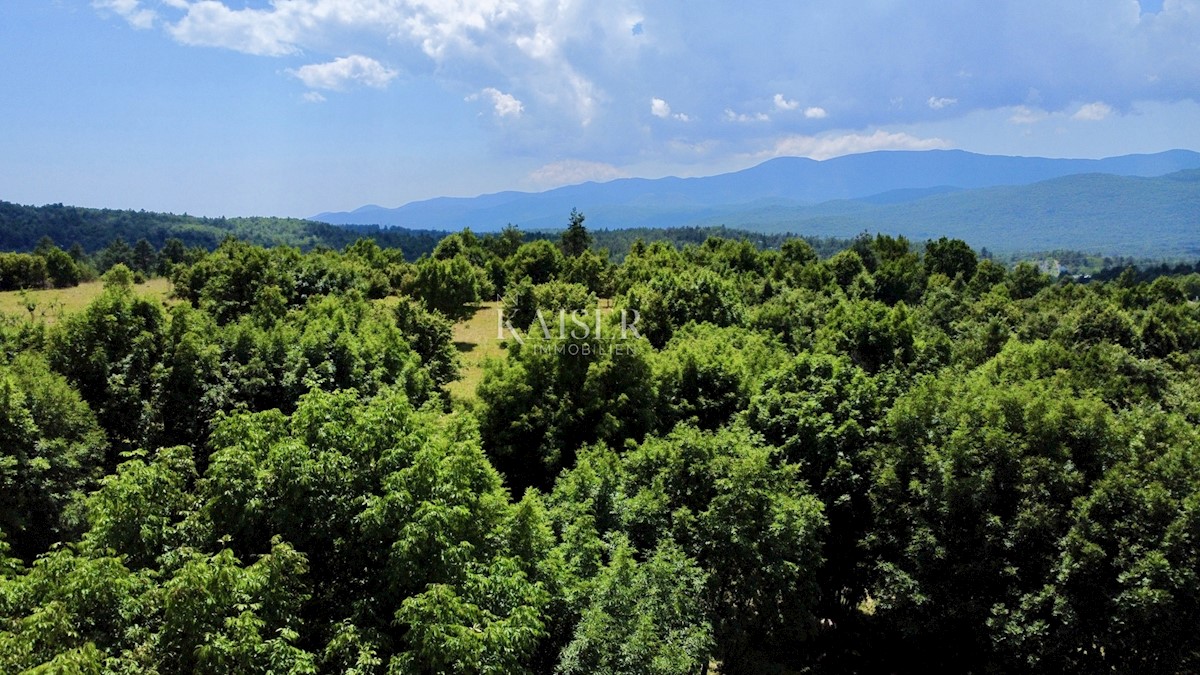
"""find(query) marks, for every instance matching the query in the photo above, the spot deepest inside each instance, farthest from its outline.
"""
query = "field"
(476, 341)
(52, 305)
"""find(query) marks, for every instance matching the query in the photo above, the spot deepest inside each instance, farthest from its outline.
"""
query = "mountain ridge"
(673, 200)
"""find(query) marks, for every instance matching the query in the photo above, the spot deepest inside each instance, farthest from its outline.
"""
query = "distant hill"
(22, 226)
(1114, 215)
(768, 195)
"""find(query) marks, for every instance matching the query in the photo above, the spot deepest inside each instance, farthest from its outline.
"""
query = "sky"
(293, 107)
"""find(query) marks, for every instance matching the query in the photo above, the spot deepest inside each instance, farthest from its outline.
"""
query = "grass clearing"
(476, 341)
(52, 305)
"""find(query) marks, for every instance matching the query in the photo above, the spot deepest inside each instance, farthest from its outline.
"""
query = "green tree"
(972, 497)
(748, 521)
(824, 414)
(144, 257)
(951, 257)
(551, 396)
(51, 455)
(449, 286)
(539, 260)
(706, 375)
(431, 337)
(644, 617)
(110, 352)
(575, 239)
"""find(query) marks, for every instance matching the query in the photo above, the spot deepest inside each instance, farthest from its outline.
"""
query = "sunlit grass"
(52, 305)
(476, 341)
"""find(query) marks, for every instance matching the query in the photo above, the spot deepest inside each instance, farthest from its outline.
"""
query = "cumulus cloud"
(262, 32)
(824, 147)
(339, 73)
(504, 105)
(573, 171)
(782, 103)
(661, 109)
(746, 117)
(1026, 115)
(472, 41)
(584, 70)
(1092, 112)
(130, 10)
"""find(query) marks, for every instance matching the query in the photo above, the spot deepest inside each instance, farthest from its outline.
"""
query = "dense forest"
(23, 227)
(710, 457)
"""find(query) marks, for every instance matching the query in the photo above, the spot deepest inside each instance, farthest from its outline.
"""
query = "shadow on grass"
(464, 347)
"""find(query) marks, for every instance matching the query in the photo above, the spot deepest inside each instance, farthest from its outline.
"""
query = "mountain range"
(1133, 204)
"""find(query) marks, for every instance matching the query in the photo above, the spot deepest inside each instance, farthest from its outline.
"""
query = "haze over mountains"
(1134, 204)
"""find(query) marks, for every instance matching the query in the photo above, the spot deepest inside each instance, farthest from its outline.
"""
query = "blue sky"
(291, 107)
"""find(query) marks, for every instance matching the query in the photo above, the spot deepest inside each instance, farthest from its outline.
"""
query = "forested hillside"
(707, 458)
(22, 227)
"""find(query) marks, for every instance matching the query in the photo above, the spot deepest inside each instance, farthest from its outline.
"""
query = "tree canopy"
(893, 457)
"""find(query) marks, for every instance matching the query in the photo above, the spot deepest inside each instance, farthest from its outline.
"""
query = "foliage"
(554, 395)
(793, 460)
(449, 286)
(575, 239)
(51, 455)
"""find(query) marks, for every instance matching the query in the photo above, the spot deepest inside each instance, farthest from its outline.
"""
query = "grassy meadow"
(476, 341)
(52, 304)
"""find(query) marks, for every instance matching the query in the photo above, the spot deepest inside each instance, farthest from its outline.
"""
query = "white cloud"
(504, 105)
(824, 147)
(313, 97)
(573, 171)
(782, 103)
(1026, 115)
(274, 32)
(1093, 112)
(340, 72)
(746, 117)
(583, 69)
(661, 109)
(130, 10)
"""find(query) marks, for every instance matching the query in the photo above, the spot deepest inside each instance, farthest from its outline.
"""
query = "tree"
(431, 337)
(553, 395)
(110, 351)
(591, 270)
(117, 252)
(1124, 592)
(670, 300)
(51, 454)
(706, 375)
(644, 617)
(951, 257)
(575, 239)
(972, 497)
(173, 252)
(449, 286)
(747, 520)
(144, 257)
(539, 260)
(823, 413)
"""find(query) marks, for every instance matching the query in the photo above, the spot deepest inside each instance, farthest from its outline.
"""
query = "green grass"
(52, 305)
(476, 341)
